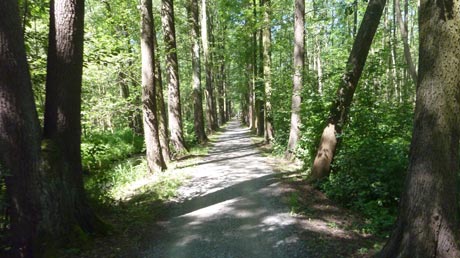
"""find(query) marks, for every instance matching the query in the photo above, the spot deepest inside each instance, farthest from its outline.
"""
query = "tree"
(347, 86)
(210, 110)
(198, 122)
(266, 43)
(428, 220)
(65, 207)
(299, 49)
(172, 69)
(407, 54)
(154, 155)
(162, 118)
(19, 134)
(259, 91)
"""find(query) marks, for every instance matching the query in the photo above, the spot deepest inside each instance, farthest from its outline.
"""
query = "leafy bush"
(101, 149)
(369, 168)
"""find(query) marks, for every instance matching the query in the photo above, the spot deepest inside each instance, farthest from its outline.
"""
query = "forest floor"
(234, 202)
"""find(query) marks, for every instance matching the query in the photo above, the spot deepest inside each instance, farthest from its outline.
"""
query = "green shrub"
(101, 149)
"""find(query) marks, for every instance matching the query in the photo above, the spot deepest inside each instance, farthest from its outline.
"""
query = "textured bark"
(251, 115)
(347, 86)
(161, 107)
(19, 134)
(155, 161)
(66, 210)
(198, 122)
(260, 86)
(428, 221)
(407, 54)
(208, 68)
(221, 98)
(269, 133)
(299, 49)
(172, 70)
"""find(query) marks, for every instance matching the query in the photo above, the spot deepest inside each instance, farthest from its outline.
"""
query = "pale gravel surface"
(233, 206)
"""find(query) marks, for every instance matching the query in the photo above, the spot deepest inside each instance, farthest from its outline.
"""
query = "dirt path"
(235, 205)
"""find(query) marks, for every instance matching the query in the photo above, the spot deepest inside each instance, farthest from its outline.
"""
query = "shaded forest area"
(97, 94)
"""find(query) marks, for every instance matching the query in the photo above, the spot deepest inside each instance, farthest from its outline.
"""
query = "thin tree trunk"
(198, 121)
(161, 107)
(155, 161)
(207, 65)
(347, 86)
(251, 116)
(299, 48)
(266, 42)
(407, 54)
(428, 221)
(172, 68)
(19, 135)
(260, 91)
(214, 71)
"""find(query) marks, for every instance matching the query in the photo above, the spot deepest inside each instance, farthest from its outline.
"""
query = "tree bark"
(198, 122)
(299, 49)
(161, 107)
(208, 68)
(155, 161)
(19, 135)
(172, 68)
(65, 207)
(266, 42)
(428, 220)
(347, 86)
(259, 92)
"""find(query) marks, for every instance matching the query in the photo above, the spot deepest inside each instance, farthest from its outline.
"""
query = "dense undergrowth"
(369, 168)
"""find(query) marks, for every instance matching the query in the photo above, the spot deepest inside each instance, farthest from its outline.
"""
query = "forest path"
(237, 205)
(233, 206)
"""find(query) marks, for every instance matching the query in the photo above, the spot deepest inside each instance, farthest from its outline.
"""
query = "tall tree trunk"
(214, 69)
(347, 86)
(19, 134)
(266, 42)
(155, 161)
(221, 98)
(259, 90)
(66, 210)
(172, 68)
(428, 220)
(161, 107)
(198, 121)
(251, 116)
(299, 49)
(207, 66)
(407, 55)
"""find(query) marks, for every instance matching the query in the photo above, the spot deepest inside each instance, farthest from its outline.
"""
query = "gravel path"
(233, 206)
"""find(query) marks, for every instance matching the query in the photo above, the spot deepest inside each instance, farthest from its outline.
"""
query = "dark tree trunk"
(155, 161)
(19, 134)
(161, 107)
(198, 116)
(347, 86)
(66, 210)
(428, 220)
(260, 91)
(299, 50)
(172, 68)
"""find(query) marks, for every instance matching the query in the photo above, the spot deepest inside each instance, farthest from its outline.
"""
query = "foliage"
(369, 169)
(101, 149)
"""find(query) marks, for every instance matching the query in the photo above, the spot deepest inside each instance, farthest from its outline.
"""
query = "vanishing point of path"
(232, 207)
